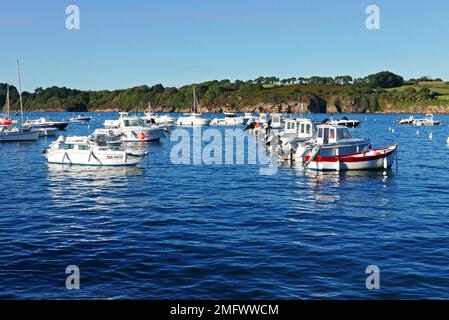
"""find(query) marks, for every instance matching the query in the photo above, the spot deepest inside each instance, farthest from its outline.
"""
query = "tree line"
(212, 94)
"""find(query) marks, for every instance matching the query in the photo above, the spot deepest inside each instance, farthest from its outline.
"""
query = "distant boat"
(151, 117)
(80, 118)
(345, 122)
(193, 119)
(427, 121)
(408, 120)
(14, 134)
(44, 122)
(230, 119)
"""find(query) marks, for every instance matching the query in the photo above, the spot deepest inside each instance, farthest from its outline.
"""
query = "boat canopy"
(332, 133)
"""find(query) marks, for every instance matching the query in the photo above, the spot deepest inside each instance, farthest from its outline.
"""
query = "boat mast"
(7, 112)
(20, 89)
(195, 102)
(149, 107)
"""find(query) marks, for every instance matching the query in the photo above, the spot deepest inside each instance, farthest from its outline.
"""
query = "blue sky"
(176, 42)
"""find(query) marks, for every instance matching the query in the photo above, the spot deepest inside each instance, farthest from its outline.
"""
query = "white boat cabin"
(277, 121)
(336, 140)
(332, 134)
(301, 127)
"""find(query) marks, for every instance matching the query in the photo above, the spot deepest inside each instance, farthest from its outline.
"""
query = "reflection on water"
(98, 185)
(161, 230)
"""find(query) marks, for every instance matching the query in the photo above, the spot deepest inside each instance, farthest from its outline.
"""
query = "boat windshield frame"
(133, 122)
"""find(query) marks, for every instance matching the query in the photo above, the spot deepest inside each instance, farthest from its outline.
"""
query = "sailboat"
(193, 119)
(5, 118)
(13, 134)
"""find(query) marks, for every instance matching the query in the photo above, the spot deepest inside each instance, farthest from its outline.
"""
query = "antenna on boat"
(20, 89)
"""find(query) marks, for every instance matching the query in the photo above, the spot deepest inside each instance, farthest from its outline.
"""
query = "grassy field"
(440, 88)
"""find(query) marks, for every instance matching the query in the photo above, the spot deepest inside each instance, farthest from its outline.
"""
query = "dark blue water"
(224, 231)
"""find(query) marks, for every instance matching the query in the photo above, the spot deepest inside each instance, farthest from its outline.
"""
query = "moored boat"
(408, 120)
(90, 152)
(14, 134)
(231, 119)
(152, 118)
(8, 134)
(134, 129)
(297, 130)
(427, 121)
(80, 118)
(193, 119)
(335, 149)
(44, 122)
(345, 122)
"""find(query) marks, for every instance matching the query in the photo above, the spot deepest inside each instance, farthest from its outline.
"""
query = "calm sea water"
(162, 231)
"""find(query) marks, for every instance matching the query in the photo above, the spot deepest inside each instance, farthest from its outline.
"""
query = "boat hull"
(57, 125)
(382, 158)
(95, 158)
(142, 135)
(227, 122)
(19, 136)
(195, 122)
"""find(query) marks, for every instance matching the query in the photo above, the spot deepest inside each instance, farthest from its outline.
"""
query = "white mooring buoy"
(430, 136)
(417, 132)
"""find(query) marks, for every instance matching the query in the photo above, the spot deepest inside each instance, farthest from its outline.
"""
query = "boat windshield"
(133, 123)
(343, 133)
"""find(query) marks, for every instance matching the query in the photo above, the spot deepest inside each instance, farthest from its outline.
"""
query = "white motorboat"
(297, 130)
(427, 121)
(80, 118)
(345, 122)
(408, 120)
(134, 129)
(153, 118)
(230, 119)
(277, 121)
(114, 124)
(335, 149)
(44, 122)
(193, 119)
(90, 152)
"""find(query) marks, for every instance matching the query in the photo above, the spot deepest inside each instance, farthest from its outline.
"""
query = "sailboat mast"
(20, 89)
(7, 101)
(194, 100)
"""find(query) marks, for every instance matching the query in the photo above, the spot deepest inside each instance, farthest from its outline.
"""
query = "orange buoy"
(142, 136)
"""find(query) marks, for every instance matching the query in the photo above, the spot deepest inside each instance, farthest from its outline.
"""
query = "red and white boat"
(334, 149)
(5, 121)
